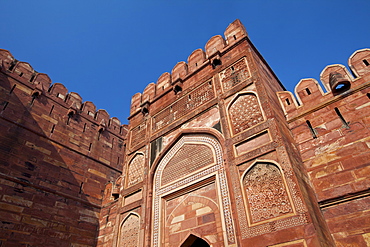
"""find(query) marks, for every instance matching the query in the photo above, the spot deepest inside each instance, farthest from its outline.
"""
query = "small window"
(12, 64)
(177, 89)
(313, 131)
(5, 105)
(366, 62)
(51, 110)
(12, 89)
(145, 110)
(32, 77)
(308, 91)
(345, 123)
(216, 62)
(287, 101)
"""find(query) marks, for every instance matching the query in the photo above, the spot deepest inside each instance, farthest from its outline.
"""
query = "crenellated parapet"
(58, 154)
(39, 83)
(31, 100)
(338, 82)
(170, 84)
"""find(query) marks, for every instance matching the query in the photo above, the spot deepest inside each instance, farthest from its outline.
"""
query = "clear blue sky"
(109, 50)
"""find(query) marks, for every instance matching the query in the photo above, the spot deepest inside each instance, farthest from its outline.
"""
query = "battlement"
(58, 153)
(30, 100)
(338, 83)
(179, 78)
(40, 84)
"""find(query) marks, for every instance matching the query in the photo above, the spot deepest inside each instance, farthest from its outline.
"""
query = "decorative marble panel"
(266, 193)
(129, 235)
(135, 170)
(245, 112)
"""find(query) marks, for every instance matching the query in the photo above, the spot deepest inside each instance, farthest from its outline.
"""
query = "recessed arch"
(129, 230)
(265, 192)
(244, 112)
(214, 172)
(135, 170)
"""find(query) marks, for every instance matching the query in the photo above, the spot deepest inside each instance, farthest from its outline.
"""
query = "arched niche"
(129, 231)
(265, 192)
(135, 170)
(244, 112)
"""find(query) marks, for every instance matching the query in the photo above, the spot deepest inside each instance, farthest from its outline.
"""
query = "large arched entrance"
(194, 241)
(190, 194)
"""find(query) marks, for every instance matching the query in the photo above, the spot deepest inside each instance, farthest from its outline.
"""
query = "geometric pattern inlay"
(184, 105)
(129, 235)
(135, 170)
(266, 192)
(234, 75)
(188, 159)
(245, 112)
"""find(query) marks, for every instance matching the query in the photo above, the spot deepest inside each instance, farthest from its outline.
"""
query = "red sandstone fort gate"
(216, 153)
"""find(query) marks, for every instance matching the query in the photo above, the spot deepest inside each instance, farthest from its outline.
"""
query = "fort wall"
(331, 129)
(57, 155)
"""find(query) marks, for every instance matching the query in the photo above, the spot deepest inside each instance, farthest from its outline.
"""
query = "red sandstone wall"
(335, 149)
(57, 155)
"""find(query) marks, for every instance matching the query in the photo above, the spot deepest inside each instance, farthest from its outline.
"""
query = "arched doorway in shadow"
(194, 241)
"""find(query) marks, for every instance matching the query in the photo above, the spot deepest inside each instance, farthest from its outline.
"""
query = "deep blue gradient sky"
(109, 50)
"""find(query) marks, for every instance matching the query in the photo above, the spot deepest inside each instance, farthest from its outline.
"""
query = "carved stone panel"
(183, 106)
(266, 193)
(188, 159)
(245, 112)
(234, 75)
(135, 171)
(129, 232)
(138, 135)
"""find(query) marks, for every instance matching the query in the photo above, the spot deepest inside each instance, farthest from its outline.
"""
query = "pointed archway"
(190, 169)
(194, 241)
